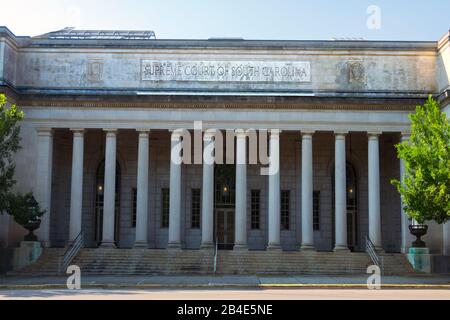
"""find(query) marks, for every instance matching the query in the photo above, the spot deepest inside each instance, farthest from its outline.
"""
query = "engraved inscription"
(226, 71)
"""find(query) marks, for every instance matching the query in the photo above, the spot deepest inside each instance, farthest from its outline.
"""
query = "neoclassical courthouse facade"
(102, 111)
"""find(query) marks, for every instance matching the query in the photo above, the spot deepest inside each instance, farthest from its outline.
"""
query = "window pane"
(255, 207)
(316, 210)
(165, 208)
(195, 209)
(133, 206)
(285, 209)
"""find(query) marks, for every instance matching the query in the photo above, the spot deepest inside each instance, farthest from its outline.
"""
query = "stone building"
(102, 111)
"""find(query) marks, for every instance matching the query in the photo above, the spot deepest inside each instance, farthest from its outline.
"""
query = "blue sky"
(250, 19)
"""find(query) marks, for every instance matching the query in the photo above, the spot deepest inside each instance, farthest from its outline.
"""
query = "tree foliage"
(425, 186)
(9, 145)
(24, 208)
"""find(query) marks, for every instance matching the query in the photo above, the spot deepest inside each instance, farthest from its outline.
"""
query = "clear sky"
(250, 19)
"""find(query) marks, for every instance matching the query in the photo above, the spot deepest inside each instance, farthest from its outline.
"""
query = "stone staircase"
(102, 261)
(295, 262)
(269, 262)
(397, 264)
(144, 261)
(47, 264)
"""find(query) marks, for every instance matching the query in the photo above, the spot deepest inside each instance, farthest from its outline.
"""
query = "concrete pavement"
(229, 281)
(228, 294)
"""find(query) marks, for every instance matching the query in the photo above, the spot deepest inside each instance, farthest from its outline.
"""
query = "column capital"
(307, 133)
(78, 132)
(44, 131)
(110, 132)
(143, 130)
(275, 133)
(374, 134)
(405, 135)
(340, 133)
(240, 133)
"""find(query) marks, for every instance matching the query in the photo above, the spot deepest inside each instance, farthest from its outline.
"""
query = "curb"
(224, 286)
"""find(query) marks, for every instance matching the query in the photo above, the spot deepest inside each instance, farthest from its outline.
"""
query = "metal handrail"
(372, 252)
(72, 251)
(215, 255)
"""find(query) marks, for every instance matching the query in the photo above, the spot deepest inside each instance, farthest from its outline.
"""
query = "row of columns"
(43, 188)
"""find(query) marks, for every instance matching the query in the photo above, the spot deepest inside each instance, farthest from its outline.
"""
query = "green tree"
(9, 145)
(425, 187)
(24, 208)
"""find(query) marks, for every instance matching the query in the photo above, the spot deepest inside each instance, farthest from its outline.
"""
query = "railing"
(72, 251)
(376, 259)
(215, 255)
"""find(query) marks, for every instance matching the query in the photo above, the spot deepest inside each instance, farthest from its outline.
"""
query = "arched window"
(99, 191)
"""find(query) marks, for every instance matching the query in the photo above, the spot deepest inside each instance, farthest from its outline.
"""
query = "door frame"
(227, 245)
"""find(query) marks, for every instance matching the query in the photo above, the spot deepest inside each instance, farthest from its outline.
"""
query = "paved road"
(226, 280)
(226, 294)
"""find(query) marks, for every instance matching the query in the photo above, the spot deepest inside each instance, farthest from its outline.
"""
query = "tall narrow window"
(285, 209)
(316, 210)
(255, 205)
(195, 209)
(165, 194)
(134, 208)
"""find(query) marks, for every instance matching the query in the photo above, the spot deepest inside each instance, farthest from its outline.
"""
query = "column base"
(108, 244)
(379, 250)
(341, 248)
(307, 247)
(45, 243)
(274, 247)
(240, 247)
(207, 246)
(140, 245)
(174, 246)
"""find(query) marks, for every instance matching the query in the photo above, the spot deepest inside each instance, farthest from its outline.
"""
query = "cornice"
(214, 105)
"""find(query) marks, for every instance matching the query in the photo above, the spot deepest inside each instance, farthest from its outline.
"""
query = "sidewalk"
(203, 282)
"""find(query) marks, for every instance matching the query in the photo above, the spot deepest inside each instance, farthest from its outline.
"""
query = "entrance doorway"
(224, 206)
(225, 228)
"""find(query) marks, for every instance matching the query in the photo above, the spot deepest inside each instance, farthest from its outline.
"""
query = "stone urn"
(31, 226)
(418, 230)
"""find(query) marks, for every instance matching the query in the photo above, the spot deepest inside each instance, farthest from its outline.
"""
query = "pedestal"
(26, 254)
(420, 259)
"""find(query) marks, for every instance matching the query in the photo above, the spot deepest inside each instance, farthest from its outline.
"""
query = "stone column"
(175, 194)
(340, 190)
(76, 191)
(405, 222)
(307, 192)
(241, 191)
(374, 190)
(274, 191)
(446, 239)
(43, 184)
(142, 190)
(109, 196)
(208, 192)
